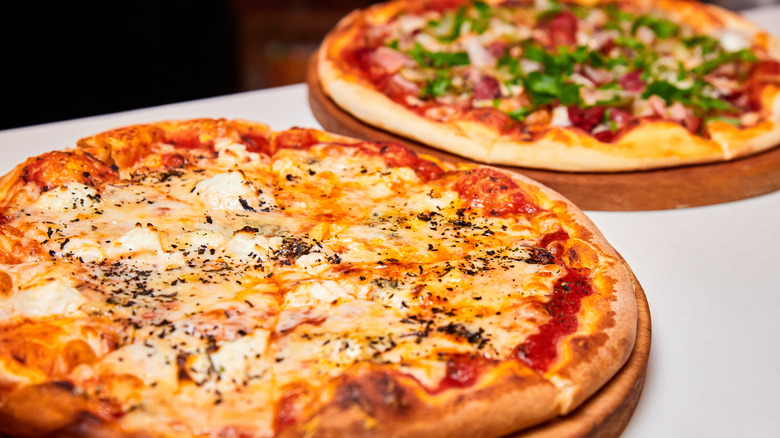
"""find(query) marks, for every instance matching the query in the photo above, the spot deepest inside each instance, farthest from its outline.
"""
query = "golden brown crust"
(40, 357)
(654, 144)
(373, 402)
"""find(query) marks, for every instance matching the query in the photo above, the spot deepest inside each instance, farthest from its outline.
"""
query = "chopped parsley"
(438, 59)
(584, 75)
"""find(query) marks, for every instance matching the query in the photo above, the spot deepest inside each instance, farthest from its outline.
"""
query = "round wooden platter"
(661, 189)
(607, 412)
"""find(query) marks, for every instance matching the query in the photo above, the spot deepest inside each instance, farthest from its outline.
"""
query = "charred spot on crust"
(375, 393)
(584, 347)
(539, 256)
(181, 366)
(85, 423)
(476, 337)
(352, 394)
(64, 385)
(573, 256)
(391, 393)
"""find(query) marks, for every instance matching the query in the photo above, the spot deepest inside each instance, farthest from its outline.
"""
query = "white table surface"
(711, 275)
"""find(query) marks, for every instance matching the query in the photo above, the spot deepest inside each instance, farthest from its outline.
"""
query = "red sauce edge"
(540, 350)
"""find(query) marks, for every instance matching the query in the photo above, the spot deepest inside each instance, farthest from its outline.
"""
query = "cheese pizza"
(575, 86)
(214, 278)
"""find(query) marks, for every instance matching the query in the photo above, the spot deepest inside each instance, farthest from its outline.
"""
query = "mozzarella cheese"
(47, 297)
(72, 197)
(227, 279)
(232, 191)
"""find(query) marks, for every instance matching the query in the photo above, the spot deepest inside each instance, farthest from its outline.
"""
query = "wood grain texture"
(660, 189)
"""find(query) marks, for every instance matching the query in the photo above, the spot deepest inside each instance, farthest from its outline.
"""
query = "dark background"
(64, 60)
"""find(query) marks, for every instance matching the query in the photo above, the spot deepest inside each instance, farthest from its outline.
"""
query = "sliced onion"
(528, 66)
(391, 60)
(599, 75)
(733, 40)
(560, 117)
(645, 35)
(658, 105)
(410, 23)
(597, 17)
(749, 119)
(581, 80)
(478, 55)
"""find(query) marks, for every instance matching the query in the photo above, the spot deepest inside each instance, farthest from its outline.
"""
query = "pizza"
(216, 278)
(576, 86)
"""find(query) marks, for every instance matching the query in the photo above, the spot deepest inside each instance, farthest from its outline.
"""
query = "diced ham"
(606, 136)
(602, 38)
(658, 105)
(563, 29)
(729, 70)
(766, 71)
(692, 123)
(496, 48)
(597, 75)
(645, 35)
(375, 35)
(541, 36)
(362, 58)
(607, 46)
(585, 118)
(620, 117)
(540, 117)
(677, 111)
(632, 81)
(397, 87)
(390, 60)
(684, 116)
(487, 88)
(472, 75)
(725, 86)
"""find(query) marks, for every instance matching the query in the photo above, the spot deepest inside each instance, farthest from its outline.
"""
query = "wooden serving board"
(607, 412)
(661, 189)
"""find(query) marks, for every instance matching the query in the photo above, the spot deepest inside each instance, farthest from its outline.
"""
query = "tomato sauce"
(462, 371)
(540, 350)
(495, 192)
(397, 155)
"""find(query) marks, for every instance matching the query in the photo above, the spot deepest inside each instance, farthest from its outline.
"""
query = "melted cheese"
(231, 281)
(47, 297)
(74, 197)
(232, 191)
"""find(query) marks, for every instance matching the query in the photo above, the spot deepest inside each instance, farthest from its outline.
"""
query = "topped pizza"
(574, 86)
(213, 278)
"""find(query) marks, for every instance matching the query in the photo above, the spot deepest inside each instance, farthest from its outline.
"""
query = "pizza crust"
(371, 402)
(656, 144)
